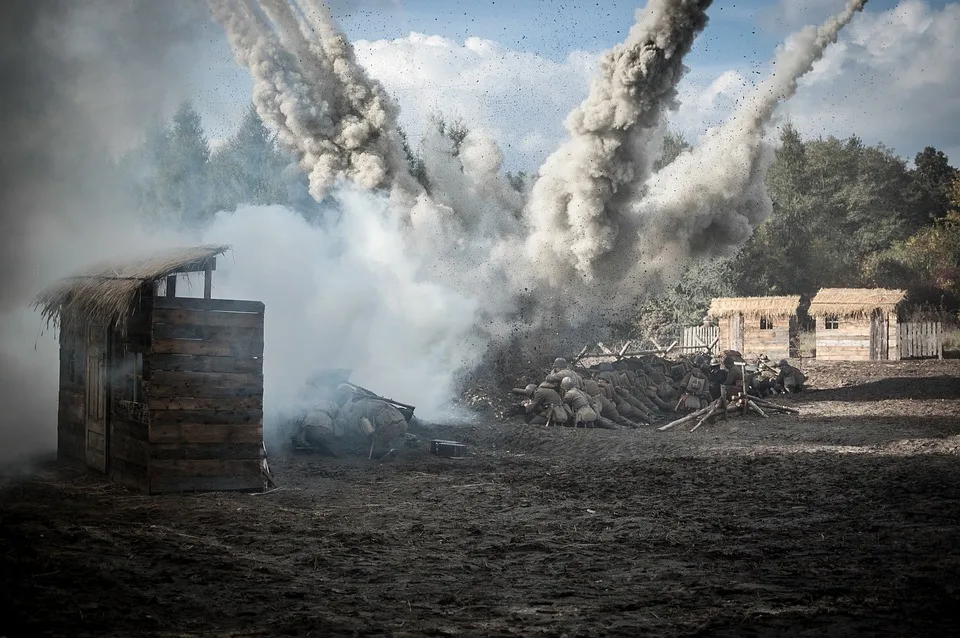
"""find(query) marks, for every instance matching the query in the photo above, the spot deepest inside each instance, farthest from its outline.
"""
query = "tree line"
(845, 214)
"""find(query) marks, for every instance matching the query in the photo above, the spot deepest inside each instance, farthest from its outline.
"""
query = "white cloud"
(519, 97)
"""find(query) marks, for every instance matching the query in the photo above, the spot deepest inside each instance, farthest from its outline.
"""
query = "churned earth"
(842, 521)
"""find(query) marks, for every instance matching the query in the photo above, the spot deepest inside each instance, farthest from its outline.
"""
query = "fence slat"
(921, 340)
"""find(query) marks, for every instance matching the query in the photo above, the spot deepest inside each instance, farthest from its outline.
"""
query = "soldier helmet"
(714, 362)
(566, 384)
(531, 388)
(784, 362)
(560, 363)
(606, 367)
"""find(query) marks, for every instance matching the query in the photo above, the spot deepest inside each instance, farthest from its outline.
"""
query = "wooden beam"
(208, 279)
(172, 286)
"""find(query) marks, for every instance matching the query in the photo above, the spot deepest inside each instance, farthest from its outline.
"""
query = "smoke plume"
(80, 80)
(711, 198)
(575, 208)
(310, 90)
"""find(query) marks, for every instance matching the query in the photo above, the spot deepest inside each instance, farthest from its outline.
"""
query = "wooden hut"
(757, 325)
(857, 324)
(160, 392)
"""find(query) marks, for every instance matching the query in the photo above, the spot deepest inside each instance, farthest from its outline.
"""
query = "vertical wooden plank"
(939, 340)
(172, 286)
(208, 281)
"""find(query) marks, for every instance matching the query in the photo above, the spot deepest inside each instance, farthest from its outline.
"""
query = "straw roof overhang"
(106, 294)
(855, 302)
(754, 307)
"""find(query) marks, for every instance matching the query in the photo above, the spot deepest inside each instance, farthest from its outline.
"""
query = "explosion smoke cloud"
(575, 207)
(710, 199)
(311, 91)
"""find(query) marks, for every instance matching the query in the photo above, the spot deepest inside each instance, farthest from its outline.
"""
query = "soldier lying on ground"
(355, 423)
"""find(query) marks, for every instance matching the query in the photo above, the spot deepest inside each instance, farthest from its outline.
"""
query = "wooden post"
(208, 281)
(171, 285)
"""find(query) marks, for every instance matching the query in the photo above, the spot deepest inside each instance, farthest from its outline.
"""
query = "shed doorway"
(96, 399)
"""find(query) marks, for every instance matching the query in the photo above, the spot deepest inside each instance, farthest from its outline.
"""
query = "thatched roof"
(852, 302)
(754, 307)
(105, 294)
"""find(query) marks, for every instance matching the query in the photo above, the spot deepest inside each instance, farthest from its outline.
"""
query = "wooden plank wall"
(699, 338)
(129, 433)
(774, 343)
(849, 342)
(71, 408)
(204, 385)
(893, 345)
(921, 340)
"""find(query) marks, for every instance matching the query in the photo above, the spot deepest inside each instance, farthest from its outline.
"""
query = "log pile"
(742, 404)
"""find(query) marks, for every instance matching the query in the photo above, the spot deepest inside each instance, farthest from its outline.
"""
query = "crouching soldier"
(545, 405)
(790, 378)
(318, 427)
(584, 415)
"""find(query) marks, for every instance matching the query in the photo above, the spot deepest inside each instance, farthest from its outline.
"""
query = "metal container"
(448, 449)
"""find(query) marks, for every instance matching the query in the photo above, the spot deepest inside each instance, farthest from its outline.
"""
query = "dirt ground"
(842, 521)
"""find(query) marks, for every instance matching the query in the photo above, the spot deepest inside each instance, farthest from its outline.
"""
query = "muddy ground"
(842, 521)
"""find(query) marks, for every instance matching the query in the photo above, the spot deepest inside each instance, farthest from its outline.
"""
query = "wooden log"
(705, 418)
(775, 406)
(755, 408)
(687, 418)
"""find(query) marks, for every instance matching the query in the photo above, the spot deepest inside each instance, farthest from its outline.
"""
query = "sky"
(516, 69)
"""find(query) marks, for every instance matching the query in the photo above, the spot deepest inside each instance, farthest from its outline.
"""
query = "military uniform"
(373, 420)
(790, 379)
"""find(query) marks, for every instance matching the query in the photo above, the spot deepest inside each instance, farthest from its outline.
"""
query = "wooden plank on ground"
(218, 305)
(203, 433)
(169, 468)
(184, 316)
(205, 484)
(205, 451)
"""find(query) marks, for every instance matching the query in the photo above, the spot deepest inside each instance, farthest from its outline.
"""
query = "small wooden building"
(757, 325)
(857, 324)
(160, 392)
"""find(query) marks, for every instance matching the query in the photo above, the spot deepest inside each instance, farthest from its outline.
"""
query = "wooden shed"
(160, 392)
(757, 325)
(857, 324)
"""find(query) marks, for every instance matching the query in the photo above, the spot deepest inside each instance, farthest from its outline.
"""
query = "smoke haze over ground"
(405, 285)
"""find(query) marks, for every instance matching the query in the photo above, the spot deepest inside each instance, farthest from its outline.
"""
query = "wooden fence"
(921, 340)
(700, 338)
